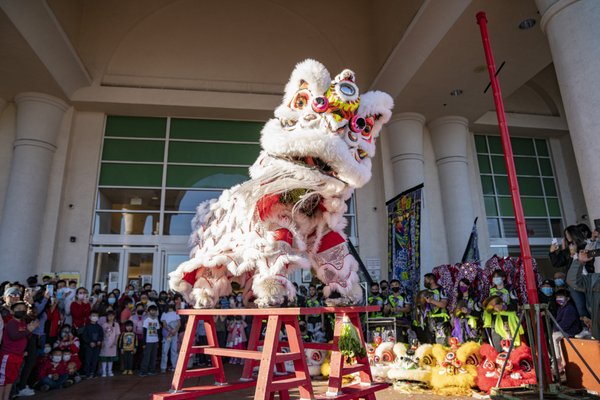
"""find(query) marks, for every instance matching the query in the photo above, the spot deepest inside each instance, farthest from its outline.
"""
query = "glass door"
(171, 261)
(106, 267)
(139, 268)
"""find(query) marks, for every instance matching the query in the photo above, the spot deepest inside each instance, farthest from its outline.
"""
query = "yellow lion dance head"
(455, 371)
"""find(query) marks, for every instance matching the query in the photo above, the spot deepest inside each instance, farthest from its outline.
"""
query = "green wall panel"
(542, 147)
(530, 186)
(130, 175)
(549, 187)
(526, 166)
(150, 127)
(506, 208)
(534, 207)
(133, 150)
(213, 153)
(480, 144)
(202, 129)
(484, 164)
(522, 146)
(495, 144)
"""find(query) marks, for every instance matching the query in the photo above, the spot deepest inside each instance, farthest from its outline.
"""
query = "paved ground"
(141, 388)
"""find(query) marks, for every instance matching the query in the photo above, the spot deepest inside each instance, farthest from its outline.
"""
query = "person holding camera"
(589, 284)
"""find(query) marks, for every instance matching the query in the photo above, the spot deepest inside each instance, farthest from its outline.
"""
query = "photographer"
(590, 285)
(575, 239)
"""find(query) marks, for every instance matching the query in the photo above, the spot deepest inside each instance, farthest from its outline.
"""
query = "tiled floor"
(141, 388)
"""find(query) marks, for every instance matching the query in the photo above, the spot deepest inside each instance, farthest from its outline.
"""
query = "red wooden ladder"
(270, 359)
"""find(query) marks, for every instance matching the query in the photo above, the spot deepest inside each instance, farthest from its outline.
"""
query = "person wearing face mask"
(589, 285)
(54, 318)
(149, 342)
(560, 280)
(127, 345)
(73, 366)
(10, 297)
(170, 334)
(500, 320)
(92, 338)
(384, 288)
(126, 312)
(108, 354)
(111, 299)
(162, 303)
(68, 343)
(375, 299)
(436, 314)
(128, 294)
(396, 307)
(568, 320)
(80, 310)
(14, 342)
(138, 328)
(499, 288)
(52, 373)
(146, 300)
(546, 295)
(467, 312)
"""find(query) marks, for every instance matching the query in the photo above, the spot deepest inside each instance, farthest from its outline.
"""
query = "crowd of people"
(572, 296)
(54, 333)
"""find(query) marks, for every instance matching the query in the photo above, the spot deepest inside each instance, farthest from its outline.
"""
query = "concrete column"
(572, 30)
(38, 122)
(450, 136)
(405, 139)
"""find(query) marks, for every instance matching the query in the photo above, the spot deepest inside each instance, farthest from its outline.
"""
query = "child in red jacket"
(73, 366)
(52, 372)
(14, 341)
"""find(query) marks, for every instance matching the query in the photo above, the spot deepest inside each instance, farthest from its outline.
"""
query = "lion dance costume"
(290, 214)
(519, 369)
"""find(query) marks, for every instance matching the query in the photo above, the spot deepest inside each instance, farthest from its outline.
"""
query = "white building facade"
(118, 117)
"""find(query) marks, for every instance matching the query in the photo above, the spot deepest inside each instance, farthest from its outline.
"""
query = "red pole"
(530, 281)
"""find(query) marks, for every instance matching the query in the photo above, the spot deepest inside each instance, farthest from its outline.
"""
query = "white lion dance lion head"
(326, 126)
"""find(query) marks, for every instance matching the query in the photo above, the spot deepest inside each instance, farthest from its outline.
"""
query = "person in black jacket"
(92, 342)
(572, 240)
(575, 240)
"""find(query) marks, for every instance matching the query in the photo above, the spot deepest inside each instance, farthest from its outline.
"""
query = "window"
(155, 171)
(537, 186)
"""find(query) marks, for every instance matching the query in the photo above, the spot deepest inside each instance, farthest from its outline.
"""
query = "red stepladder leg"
(184, 353)
(337, 361)
(366, 378)
(267, 362)
(252, 345)
(300, 367)
(213, 341)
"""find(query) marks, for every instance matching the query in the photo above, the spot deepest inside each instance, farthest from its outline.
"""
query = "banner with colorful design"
(404, 235)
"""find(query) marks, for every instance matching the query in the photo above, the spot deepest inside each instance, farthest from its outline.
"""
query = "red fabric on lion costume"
(519, 367)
